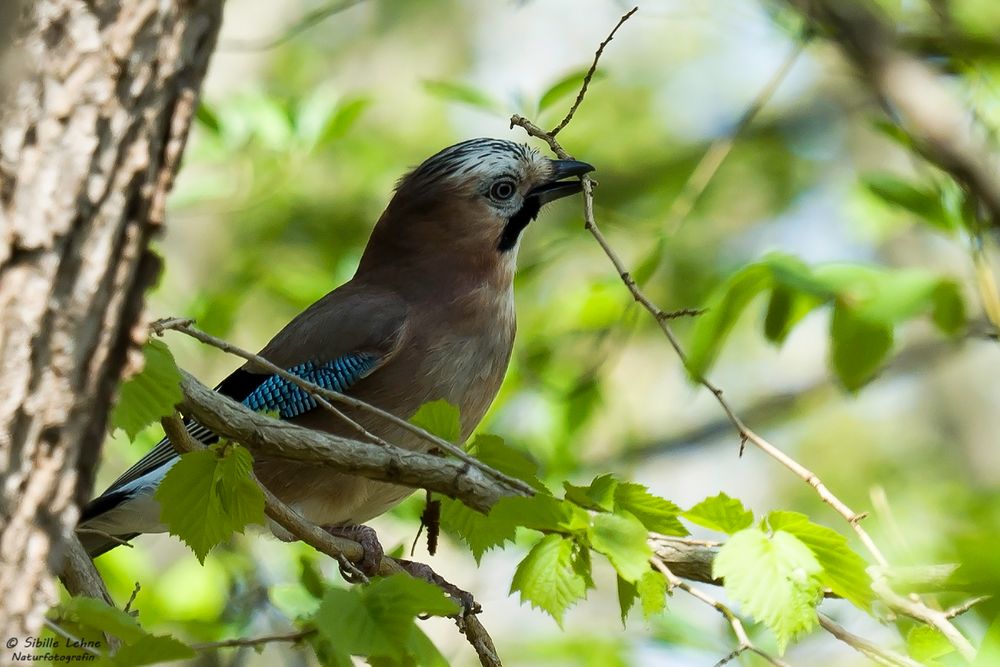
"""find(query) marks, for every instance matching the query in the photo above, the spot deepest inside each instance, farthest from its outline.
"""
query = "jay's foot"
(371, 547)
(424, 572)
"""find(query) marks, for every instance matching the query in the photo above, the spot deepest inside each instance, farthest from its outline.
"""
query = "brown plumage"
(429, 311)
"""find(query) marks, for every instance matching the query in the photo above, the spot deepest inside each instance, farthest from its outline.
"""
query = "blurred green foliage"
(296, 151)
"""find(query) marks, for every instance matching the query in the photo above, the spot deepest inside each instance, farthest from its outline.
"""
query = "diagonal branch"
(917, 100)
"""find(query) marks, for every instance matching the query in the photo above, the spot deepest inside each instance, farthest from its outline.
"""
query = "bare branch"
(918, 101)
(323, 396)
(734, 621)
(872, 651)
(344, 551)
(590, 74)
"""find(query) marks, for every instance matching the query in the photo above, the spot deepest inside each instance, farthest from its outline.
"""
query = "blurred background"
(314, 109)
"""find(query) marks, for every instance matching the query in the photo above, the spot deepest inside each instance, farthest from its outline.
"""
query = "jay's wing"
(344, 337)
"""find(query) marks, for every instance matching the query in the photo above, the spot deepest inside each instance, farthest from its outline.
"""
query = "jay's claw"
(372, 548)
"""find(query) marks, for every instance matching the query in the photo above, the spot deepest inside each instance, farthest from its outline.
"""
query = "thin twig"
(323, 396)
(746, 435)
(131, 598)
(960, 609)
(734, 621)
(290, 637)
(79, 643)
(874, 652)
(590, 73)
(911, 607)
(717, 152)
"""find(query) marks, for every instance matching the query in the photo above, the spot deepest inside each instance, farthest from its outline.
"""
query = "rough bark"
(91, 133)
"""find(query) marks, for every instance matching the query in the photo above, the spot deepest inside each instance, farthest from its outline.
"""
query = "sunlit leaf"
(440, 418)
(208, 495)
(547, 578)
(622, 538)
(844, 571)
(722, 513)
(150, 395)
(774, 578)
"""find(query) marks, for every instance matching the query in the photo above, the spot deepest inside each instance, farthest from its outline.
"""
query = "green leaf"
(208, 495)
(652, 593)
(627, 594)
(152, 649)
(479, 532)
(540, 512)
(774, 578)
(622, 538)
(721, 513)
(656, 514)
(989, 651)
(311, 578)
(342, 120)
(924, 643)
(140, 647)
(600, 495)
(926, 204)
(440, 418)
(378, 619)
(570, 83)
(712, 327)
(97, 614)
(494, 452)
(844, 571)
(548, 578)
(150, 395)
(462, 93)
(208, 119)
(858, 347)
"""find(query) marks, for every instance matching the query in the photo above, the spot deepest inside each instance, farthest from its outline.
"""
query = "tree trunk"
(91, 134)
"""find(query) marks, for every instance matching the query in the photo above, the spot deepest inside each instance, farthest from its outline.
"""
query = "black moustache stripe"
(512, 230)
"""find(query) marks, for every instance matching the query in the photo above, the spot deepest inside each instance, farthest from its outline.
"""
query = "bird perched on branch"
(428, 315)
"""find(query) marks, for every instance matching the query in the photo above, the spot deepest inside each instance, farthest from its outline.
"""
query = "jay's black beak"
(557, 188)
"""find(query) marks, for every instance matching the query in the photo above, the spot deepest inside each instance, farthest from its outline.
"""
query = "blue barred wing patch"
(290, 400)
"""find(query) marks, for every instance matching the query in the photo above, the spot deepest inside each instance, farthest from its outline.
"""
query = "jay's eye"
(502, 190)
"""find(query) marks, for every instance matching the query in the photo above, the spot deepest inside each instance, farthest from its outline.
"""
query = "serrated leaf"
(440, 418)
(721, 513)
(656, 514)
(600, 495)
(844, 571)
(775, 579)
(479, 532)
(152, 649)
(652, 588)
(150, 395)
(540, 512)
(462, 93)
(627, 595)
(494, 452)
(208, 495)
(547, 578)
(924, 643)
(378, 620)
(622, 538)
(858, 347)
(570, 83)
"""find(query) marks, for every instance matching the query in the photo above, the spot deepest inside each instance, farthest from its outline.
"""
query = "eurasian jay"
(428, 315)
